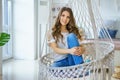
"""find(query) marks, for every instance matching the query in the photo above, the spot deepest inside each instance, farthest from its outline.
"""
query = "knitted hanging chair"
(98, 45)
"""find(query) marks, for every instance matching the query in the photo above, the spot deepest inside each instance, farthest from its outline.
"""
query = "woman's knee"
(72, 40)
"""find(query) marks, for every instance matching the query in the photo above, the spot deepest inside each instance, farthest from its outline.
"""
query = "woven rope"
(78, 71)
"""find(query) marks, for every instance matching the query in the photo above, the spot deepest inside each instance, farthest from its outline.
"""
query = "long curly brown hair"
(71, 26)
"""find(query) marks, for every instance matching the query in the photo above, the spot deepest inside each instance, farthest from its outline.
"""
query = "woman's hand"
(77, 50)
(80, 50)
(73, 50)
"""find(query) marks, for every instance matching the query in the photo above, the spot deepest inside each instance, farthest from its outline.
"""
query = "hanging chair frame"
(87, 69)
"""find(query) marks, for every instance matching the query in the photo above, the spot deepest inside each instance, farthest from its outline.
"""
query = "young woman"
(64, 40)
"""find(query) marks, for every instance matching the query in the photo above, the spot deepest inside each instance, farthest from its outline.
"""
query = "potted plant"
(4, 38)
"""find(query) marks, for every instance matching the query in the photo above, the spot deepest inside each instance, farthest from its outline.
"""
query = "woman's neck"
(63, 29)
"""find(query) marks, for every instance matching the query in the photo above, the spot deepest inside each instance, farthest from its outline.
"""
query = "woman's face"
(65, 18)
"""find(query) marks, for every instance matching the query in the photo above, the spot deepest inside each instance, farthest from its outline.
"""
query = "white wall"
(108, 9)
(110, 14)
(0, 31)
(43, 20)
(43, 11)
(59, 1)
(23, 29)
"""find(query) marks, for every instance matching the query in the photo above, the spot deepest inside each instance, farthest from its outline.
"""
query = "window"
(7, 27)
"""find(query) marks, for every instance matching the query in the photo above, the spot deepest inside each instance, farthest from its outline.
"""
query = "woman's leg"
(61, 63)
(72, 41)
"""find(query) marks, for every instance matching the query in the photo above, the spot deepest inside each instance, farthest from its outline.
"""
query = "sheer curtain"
(24, 30)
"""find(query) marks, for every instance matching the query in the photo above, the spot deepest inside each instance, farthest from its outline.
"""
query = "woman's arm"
(75, 50)
(58, 50)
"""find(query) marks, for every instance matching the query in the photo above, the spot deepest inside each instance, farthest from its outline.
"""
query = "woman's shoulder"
(49, 31)
(49, 34)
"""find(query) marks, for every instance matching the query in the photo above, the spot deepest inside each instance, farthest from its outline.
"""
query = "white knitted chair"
(99, 51)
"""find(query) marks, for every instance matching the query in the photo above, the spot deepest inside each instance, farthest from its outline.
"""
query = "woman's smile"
(65, 18)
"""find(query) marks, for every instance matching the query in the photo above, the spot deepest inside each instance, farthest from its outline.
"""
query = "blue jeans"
(61, 63)
(72, 41)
